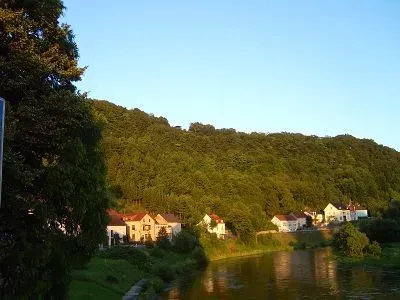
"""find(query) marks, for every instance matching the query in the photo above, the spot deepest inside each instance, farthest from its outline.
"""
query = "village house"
(342, 212)
(301, 218)
(219, 229)
(173, 224)
(115, 226)
(141, 226)
(285, 223)
(357, 211)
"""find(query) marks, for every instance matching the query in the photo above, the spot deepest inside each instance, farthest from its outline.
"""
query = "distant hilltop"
(155, 166)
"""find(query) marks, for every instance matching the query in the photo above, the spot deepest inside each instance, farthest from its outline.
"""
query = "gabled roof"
(134, 216)
(160, 220)
(299, 215)
(170, 218)
(216, 218)
(285, 217)
(116, 221)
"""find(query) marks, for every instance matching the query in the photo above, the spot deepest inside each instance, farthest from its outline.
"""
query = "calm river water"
(307, 274)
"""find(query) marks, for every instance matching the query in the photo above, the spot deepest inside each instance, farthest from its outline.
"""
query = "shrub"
(134, 256)
(163, 239)
(199, 256)
(149, 243)
(381, 230)
(350, 241)
(164, 271)
(374, 249)
(157, 252)
(184, 242)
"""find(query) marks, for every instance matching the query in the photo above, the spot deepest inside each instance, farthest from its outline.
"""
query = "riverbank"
(216, 249)
(111, 273)
(390, 258)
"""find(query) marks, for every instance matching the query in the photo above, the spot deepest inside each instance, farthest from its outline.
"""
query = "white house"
(219, 229)
(357, 211)
(342, 212)
(115, 226)
(285, 223)
(301, 218)
(141, 226)
(170, 222)
(336, 212)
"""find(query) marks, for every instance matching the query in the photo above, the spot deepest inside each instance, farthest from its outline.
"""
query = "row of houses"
(141, 226)
(332, 213)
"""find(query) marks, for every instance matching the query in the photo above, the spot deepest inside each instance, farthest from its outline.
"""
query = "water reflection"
(286, 275)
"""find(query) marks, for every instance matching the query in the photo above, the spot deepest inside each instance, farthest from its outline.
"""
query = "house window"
(133, 227)
(146, 227)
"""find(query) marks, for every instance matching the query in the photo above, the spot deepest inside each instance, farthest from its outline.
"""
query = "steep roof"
(299, 215)
(170, 218)
(216, 218)
(134, 216)
(285, 218)
(115, 221)
(160, 220)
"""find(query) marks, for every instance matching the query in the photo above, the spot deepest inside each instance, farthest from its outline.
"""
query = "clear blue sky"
(313, 67)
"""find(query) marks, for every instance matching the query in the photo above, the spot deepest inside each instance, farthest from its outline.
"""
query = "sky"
(312, 67)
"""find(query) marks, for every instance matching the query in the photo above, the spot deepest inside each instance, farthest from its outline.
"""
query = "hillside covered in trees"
(154, 166)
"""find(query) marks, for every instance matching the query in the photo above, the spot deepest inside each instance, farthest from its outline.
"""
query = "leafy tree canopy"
(158, 167)
(53, 202)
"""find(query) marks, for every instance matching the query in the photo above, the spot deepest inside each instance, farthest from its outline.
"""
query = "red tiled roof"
(286, 217)
(170, 218)
(299, 215)
(133, 216)
(216, 218)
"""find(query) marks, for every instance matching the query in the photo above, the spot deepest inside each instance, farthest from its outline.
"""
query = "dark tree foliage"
(155, 166)
(53, 202)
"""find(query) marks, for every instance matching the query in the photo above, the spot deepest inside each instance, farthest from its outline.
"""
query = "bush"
(374, 249)
(149, 243)
(381, 230)
(164, 271)
(199, 256)
(157, 252)
(350, 241)
(134, 256)
(184, 242)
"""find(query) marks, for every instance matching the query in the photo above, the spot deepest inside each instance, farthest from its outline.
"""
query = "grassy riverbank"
(103, 279)
(216, 249)
(390, 258)
(112, 272)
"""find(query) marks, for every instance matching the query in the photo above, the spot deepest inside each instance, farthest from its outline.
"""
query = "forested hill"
(154, 166)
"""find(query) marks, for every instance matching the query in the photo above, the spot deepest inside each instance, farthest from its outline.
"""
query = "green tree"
(163, 239)
(53, 203)
(350, 241)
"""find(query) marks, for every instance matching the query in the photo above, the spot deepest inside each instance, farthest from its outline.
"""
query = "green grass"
(309, 238)
(91, 282)
(221, 249)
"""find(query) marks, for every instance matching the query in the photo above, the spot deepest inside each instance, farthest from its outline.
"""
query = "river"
(306, 274)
